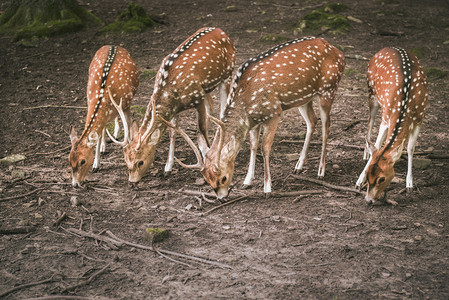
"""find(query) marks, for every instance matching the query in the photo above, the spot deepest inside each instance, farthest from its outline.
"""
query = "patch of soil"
(326, 245)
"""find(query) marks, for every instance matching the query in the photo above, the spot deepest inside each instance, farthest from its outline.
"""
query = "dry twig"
(17, 230)
(21, 196)
(52, 152)
(89, 280)
(54, 106)
(259, 195)
(168, 252)
(61, 218)
(114, 244)
(26, 285)
(329, 185)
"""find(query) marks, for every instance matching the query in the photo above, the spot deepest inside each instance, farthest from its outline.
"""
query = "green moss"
(351, 72)
(420, 52)
(138, 111)
(39, 18)
(325, 18)
(334, 8)
(147, 74)
(155, 235)
(435, 73)
(273, 38)
(134, 19)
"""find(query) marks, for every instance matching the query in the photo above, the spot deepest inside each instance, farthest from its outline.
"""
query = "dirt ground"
(330, 245)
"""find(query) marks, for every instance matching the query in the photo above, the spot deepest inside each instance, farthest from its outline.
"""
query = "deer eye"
(140, 163)
(82, 162)
(223, 180)
(380, 180)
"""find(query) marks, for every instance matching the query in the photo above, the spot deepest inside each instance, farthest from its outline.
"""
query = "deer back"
(284, 77)
(397, 79)
(194, 68)
(112, 68)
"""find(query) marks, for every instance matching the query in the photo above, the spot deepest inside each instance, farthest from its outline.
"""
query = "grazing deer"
(287, 76)
(184, 80)
(398, 81)
(112, 75)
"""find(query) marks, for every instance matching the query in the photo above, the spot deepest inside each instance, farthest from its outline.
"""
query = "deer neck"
(237, 128)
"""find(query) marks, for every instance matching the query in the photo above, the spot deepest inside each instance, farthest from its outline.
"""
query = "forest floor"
(326, 245)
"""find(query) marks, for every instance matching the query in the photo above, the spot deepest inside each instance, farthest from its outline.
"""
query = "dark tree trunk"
(38, 18)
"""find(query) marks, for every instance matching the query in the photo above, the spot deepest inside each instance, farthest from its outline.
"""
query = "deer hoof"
(245, 186)
(95, 170)
(297, 171)
(267, 195)
(409, 190)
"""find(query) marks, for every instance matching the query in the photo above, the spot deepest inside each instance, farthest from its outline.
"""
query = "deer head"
(139, 153)
(380, 173)
(81, 156)
(217, 167)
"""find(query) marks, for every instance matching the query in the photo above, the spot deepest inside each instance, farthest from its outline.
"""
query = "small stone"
(408, 275)
(75, 202)
(418, 238)
(276, 218)
(41, 201)
(189, 206)
(24, 223)
(292, 156)
(200, 181)
(231, 8)
(385, 274)
(421, 163)
(18, 174)
(353, 19)
(12, 159)
(155, 235)
(38, 216)
(226, 227)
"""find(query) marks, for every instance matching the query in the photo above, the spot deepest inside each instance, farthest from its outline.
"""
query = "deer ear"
(73, 135)
(371, 147)
(92, 139)
(202, 145)
(154, 137)
(134, 129)
(396, 153)
(230, 148)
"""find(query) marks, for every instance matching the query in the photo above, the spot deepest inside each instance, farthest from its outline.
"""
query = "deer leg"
(253, 144)
(224, 87)
(373, 109)
(383, 129)
(382, 135)
(171, 149)
(96, 164)
(310, 118)
(202, 110)
(410, 150)
(116, 127)
(325, 107)
(269, 130)
(103, 141)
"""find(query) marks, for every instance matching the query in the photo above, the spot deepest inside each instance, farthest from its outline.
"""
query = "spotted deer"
(112, 75)
(398, 81)
(287, 76)
(185, 80)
